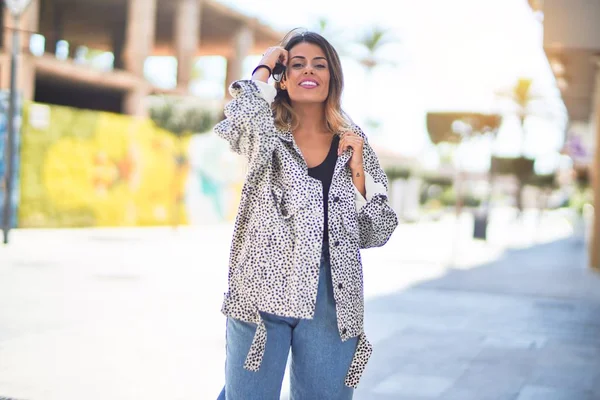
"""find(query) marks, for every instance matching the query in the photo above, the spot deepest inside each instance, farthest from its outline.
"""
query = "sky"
(450, 55)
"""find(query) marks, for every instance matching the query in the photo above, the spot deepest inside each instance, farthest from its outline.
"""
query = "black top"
(324, 173)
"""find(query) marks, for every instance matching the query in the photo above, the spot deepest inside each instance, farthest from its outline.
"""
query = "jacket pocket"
(286, 203)
(350, 221)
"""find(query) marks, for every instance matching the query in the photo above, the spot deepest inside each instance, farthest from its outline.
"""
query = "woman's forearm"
(358, 178)
(261, 74)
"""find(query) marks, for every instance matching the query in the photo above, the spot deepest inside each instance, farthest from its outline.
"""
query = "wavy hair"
(335, 117)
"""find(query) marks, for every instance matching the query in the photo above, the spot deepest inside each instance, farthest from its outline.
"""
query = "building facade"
(132, 30)
(572, 45)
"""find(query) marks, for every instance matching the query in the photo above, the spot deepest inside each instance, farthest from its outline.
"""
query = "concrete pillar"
(187, 39)
(139, 35)
(595, 172)
(28, 24)
(26, 77)
(118, 43)
(56, 12)
(139, 43)
(5, 54)
(3, 29)
(134, 101)
(242, 43)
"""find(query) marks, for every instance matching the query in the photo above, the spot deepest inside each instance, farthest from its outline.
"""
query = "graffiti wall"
(4, 98)
(86, 168)
(215, 182)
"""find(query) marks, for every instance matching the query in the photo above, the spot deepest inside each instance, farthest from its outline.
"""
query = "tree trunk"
(519, 195)
(521, 183)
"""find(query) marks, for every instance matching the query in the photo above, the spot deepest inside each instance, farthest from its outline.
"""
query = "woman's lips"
(308, 84)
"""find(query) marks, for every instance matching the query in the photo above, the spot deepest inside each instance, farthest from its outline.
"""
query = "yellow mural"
(86, 168)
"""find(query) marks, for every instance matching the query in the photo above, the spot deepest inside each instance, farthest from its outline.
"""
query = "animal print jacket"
(278, 233)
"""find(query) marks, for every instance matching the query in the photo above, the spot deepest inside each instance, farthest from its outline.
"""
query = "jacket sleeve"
(376, 218)
(248, 123)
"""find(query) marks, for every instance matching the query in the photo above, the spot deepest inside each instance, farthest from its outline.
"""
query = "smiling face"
(307, 74)
(313, 77)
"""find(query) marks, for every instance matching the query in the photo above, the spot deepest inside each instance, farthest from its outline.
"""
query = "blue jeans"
(320, 360)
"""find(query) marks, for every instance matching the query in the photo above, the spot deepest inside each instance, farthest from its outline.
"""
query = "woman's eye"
(297, 65)
(321, 66)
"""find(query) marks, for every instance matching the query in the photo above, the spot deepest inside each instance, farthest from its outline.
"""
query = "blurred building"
(85, 158)
(572, 44)
(132, 30)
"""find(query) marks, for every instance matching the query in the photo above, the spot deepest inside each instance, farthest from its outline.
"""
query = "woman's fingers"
(283, 56)
(349, 140)
(274, 55)
(342, 145)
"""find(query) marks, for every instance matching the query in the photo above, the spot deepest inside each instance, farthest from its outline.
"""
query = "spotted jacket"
(278, 232)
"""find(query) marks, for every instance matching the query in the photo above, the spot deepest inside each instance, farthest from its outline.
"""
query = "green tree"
(182, 120)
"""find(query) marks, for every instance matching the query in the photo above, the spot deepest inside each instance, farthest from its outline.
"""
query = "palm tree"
(527, 104)
(370, 45)
(522, 97)
(372, 41)
(332, 34)
(323, 25)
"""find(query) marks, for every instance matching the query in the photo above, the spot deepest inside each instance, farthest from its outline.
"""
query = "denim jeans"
(320, 360)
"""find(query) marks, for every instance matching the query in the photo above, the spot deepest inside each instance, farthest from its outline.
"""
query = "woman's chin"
(309, 100)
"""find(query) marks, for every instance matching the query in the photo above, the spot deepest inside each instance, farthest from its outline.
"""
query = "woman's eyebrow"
(315, 58)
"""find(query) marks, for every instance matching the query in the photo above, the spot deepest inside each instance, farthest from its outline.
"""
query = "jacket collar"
(285, 134)
(342, 160)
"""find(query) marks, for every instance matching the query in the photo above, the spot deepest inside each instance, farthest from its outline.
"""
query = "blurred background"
(118, 200)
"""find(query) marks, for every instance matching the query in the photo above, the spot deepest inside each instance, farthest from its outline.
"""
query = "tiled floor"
(526, 326)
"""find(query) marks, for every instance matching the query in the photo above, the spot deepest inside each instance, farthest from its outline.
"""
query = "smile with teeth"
(308, 84)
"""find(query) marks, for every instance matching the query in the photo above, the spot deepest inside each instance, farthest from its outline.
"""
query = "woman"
(314, 195)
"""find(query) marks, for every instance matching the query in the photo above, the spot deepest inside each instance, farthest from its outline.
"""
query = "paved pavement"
(134, 313)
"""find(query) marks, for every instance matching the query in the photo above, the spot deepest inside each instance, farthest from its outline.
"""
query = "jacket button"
(336, 199)
(337, 243)
(340, 286)
(344, 331)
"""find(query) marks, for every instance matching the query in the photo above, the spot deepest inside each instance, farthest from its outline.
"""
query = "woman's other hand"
(355, 142)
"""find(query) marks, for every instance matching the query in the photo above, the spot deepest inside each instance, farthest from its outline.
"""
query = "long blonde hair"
(336, 119)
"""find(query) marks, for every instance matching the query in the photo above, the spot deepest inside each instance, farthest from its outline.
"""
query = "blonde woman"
(314, 195)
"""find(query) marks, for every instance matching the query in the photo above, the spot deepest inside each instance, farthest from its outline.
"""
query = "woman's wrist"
(268, 62)
(262, 73)
(357, 168)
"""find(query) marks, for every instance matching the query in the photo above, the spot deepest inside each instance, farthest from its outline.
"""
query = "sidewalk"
(134, 314)
(524, 327)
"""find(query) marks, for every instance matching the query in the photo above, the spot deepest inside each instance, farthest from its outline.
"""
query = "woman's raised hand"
(272, 56)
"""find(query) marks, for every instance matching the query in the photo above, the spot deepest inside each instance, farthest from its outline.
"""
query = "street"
(135, 313)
